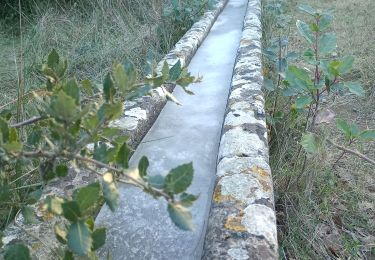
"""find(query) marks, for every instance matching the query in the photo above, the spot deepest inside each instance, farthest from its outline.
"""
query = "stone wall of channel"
(138, 117)
(242, 222)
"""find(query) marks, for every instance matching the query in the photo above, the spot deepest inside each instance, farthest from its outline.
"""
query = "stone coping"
(242, 222)
(139, 115)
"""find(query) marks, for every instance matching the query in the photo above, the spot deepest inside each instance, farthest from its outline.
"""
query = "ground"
(330, 214)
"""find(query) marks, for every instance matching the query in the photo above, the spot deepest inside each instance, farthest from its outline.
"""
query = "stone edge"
(139, 115)
(242, 222)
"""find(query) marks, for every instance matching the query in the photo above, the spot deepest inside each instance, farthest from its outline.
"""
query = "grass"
(325, 212)
(91, 35)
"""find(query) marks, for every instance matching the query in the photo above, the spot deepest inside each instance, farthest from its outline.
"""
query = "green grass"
(326, 213)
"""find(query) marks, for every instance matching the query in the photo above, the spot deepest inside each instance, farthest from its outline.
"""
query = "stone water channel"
(141, 228)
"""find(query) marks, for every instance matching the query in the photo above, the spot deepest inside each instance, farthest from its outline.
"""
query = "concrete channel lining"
(242, 222)
(139, 115)
(142, 228)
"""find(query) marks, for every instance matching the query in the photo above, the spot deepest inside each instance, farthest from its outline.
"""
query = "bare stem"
(356, 153)
(28, 121)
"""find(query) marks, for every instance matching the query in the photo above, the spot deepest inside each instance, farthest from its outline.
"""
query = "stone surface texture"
(141, 228)
(242, 222)
(139, 115)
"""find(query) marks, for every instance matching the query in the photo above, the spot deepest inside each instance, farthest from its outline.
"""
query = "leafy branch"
(60, 137)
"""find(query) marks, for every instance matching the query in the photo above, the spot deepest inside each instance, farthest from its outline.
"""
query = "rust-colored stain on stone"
(234, 223)
(218, 197)
(260, 171)
(265, 185)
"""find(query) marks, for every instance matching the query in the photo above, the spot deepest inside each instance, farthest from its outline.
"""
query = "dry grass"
(90, 34)
(326, 213)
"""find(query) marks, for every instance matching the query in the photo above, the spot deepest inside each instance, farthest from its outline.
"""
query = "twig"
(342, 148)
(27, 173)
(97, 163)
(28, 121)
(103, 165)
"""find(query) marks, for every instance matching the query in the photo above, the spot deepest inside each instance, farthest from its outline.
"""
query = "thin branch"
(103, 165)
(342, 148)
(66, 154)
(28, 121)
(27, 173)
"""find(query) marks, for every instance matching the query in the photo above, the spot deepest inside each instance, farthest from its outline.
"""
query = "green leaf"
(28, 215)
(327, 43)
(79, 238)
(63, 107)
(123, 156)
(68, 255)
(53, 59)
(87, 87)
(71, 210)
(6, 114)
(71, 89)
(325, 21)
(354, 130)
(187, 200)
(309, 56)
(61, 170)
(98, 238)
(180, 216)
(179, 178)
(4, 131)
(346, 64)
(310, 143)
(101, 152)
(268, 84)
(299, 79)
(35, 136)
(344, 127)
(142, 166)
(303, 101)
(35, 196)
(121, 78)
(13, 147)
(87, 196)
(355, 88)
(307, 9)
(367, 135)
(108, 88)
(165, 71)
(110, 192)
(157, 181)
(175, 71)
(110, 111)
(130, 72)
(305, 31)
(17, 252)
(46, 170)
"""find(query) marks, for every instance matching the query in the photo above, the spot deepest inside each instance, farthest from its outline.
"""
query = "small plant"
(321, 75)
(301, 88)
(72, 115)
(179, 16)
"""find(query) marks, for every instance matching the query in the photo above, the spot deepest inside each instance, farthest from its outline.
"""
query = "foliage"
(179, 16)
(320, 75)
(72, 115)
(301, 89)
